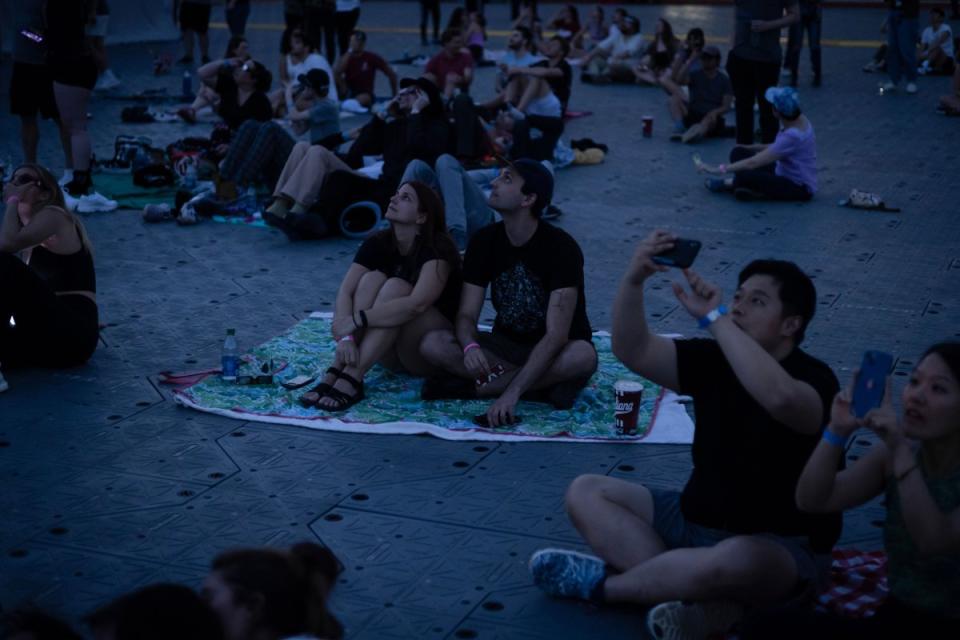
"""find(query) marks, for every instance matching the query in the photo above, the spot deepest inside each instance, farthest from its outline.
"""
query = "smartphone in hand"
(682, 254)
(871, 382)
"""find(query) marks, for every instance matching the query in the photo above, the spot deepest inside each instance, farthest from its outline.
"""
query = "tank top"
(927, 583)
(71, 272)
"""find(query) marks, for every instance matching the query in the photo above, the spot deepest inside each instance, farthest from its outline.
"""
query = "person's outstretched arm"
(791, 402)
(821, 487)
(644, 352)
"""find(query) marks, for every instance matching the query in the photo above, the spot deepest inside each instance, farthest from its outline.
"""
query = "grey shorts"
(676, 531)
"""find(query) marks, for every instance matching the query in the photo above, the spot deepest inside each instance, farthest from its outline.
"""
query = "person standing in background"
(753, 63)
(811, 21)
(97, 32)
(236, 13)
(193, 16)
(345, 19)
(902, 44)
(429, 8)
(319, 23)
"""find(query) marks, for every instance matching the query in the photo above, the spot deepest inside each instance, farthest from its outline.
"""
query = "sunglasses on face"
(246, 67)
(23, 180)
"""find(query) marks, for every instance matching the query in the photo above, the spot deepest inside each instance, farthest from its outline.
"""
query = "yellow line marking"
(502, 33)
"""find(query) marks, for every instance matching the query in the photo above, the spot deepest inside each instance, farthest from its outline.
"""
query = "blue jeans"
(901, 47)
(466, 207)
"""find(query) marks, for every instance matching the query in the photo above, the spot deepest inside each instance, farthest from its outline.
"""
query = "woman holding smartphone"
(916, 465)
(404, 282)
(47, 280)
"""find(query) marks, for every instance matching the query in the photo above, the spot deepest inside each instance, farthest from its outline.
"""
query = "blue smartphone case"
(871, 382)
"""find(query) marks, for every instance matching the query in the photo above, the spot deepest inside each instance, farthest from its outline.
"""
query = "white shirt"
(312, 61)
(930, 36)
(618, 44)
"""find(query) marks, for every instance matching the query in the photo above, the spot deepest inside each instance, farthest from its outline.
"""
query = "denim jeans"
(466, 207)
(811, 21)
(901, 47)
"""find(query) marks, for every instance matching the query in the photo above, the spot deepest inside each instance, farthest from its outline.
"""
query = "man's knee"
(744, 560)
(583, 491)
(393, 288)
(577, 359)
(435, 345)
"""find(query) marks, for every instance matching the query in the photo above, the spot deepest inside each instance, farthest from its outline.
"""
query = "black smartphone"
(682, 254)
(481, 420)
(871, 382)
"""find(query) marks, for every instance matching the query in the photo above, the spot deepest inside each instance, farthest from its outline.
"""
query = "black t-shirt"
(746, 464)
(560, 86)
(65, 34)
(379, 252)
(521, 279)
(257, 106)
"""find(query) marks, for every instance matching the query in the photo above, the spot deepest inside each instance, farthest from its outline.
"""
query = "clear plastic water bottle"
(187, 87)
(190, 176)
(230, 357)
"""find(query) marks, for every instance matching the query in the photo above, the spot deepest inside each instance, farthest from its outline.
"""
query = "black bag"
(153, 176)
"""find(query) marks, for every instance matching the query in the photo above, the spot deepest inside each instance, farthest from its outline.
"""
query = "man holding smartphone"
(734, 537)
(541, 336)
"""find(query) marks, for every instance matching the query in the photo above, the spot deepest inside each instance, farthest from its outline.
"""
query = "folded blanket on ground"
(393, 404)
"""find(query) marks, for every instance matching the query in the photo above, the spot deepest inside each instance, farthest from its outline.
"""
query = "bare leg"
(374, 344)
(747, 569)
(677, 107)
(441, 350)
(615, 518)
(72, 104)
(411, 334)
(536, 88)
(29, 137)
(367, 290)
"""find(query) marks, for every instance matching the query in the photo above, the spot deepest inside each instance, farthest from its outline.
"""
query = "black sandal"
(344, 401)
(312, 397)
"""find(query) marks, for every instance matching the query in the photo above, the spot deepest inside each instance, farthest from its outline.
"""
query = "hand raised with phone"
(703, 297)
(642, 265)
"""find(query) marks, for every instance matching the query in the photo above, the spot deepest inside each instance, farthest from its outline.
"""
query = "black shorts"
(694, 117)
(31, 91)
(77, 72)
(194, 17)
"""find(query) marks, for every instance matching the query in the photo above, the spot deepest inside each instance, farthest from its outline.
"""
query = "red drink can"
(647, 126)
(628, 394)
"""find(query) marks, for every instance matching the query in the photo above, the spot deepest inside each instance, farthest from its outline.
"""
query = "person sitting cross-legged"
(710, 97)
(784, 170)
(541, 336)
(734, 537)
(451, 69)
(921, 486)
(404, 282)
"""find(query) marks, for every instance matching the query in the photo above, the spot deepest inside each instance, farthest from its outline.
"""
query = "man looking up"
(734, 537)
(541, 336)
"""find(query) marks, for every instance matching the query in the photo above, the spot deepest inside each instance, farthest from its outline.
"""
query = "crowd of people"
(743, 543)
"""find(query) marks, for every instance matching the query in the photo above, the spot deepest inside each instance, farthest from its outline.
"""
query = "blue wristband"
(712, 317)
(834, 439)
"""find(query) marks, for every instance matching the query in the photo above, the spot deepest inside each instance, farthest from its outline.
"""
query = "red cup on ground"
(628, 395)
(647, 126)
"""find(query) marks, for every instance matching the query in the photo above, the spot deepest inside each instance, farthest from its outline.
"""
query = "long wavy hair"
(50, 187)
(433, 232)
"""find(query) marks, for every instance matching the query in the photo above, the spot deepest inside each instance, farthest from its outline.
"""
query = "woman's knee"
(394, 288)
(369, 285)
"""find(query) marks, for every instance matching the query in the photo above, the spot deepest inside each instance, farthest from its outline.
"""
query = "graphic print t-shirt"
(521, 279)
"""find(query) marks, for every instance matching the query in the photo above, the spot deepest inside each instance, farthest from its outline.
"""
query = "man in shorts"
(734, 537)
(31, 82)
(711, 96)
(193, 16)
(541, 340)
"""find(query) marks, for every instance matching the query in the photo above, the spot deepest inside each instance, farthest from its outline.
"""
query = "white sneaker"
(677, 620)
(107, 80)
(4, 385)
(888, 86)
(352, 106)
(95, 203)
(911, 87)
(66, 178)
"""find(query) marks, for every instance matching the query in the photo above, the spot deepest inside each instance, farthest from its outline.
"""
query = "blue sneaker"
(567, 574)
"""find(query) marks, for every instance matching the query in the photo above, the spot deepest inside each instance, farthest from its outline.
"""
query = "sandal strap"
(333, 371)
(339, 397)
(357, 385)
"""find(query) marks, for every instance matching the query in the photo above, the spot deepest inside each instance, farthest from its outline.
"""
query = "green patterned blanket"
(393, 403)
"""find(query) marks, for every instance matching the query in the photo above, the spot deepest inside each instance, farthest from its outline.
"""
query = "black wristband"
(363, 319)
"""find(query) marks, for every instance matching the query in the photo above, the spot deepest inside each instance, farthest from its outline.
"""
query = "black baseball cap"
(537, 180)
(316, 79)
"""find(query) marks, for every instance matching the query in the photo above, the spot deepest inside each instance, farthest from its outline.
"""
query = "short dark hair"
(526, 34)
(159, 612)
(797, 293)
(950, 353)
(449, 35)
(564, 44)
